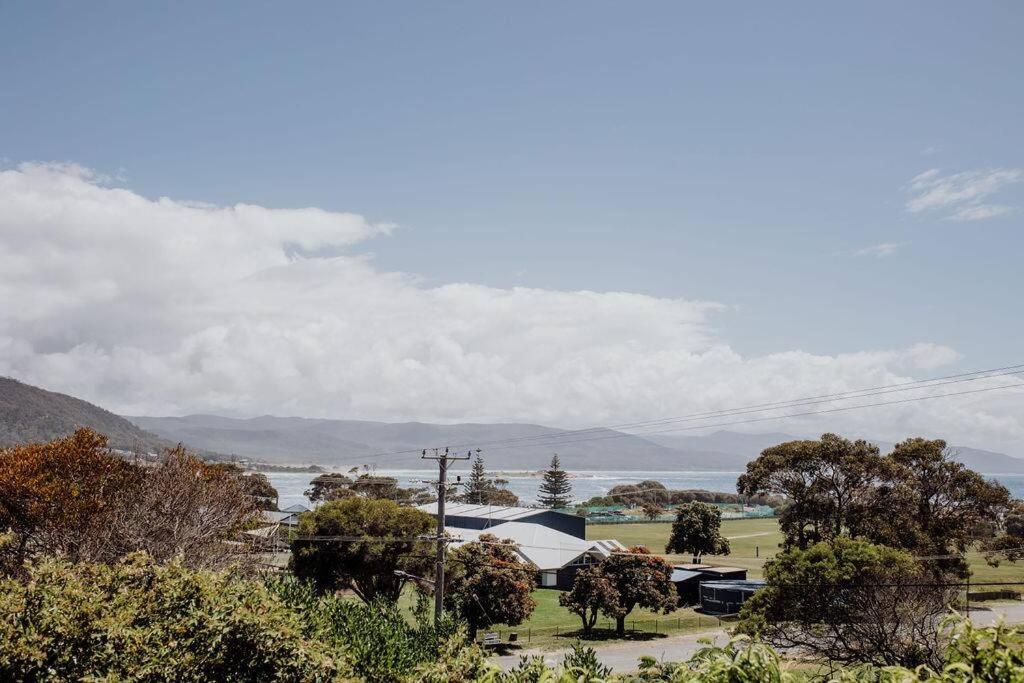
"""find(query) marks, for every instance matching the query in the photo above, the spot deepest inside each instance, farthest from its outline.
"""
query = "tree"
(258, 487)
(1008, 543)
(321, 488)
(181, 507)
(851, 602)
(639, 579)
(556, 489)
(335, 486)
(916, 497)
(591, 593)
(58, 497)
(487, 583)
(366, 566)
(652, 511)
(697, 530)
(828, 483)
(483, 490)
(933, 505)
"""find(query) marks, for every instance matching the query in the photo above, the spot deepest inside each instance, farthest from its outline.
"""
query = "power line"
(550, 439)
(782, 417)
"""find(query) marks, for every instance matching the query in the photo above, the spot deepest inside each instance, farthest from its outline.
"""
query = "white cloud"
(961, 193)
(981, 212)
(879, 250)
(166, 307)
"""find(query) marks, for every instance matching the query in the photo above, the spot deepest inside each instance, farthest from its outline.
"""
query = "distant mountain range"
(398, 445)
(29, 414)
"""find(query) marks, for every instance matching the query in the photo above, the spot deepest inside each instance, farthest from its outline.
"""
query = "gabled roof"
(538, 545)
(679, 575)
(496, 512)
(295, 508)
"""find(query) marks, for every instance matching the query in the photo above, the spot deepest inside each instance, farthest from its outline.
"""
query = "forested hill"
(30, 414)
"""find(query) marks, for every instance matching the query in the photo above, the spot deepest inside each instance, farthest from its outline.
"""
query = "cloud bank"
(169, 307)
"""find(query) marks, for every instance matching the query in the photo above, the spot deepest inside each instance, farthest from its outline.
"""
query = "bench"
(491, 639)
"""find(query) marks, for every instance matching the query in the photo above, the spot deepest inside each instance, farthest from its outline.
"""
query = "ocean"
(292, 485)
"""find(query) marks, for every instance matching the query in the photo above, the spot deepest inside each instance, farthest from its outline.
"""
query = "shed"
(726, 597)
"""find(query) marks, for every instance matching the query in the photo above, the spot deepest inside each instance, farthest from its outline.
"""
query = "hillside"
(29, 414)
(351, 442)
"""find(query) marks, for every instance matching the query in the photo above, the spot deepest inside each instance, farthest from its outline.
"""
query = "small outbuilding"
(688, 579)
(726, 597)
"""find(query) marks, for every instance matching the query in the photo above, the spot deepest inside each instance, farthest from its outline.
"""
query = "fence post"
(556, 630)
(698, 621)
(529, 635)
(757, 551)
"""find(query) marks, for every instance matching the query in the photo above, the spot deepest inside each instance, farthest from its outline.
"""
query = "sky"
(570, 213)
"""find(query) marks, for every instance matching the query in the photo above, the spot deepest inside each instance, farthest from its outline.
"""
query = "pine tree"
(556, 489)
(477, 484)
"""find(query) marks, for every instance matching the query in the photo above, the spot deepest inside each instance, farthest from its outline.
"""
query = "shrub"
(139, 621)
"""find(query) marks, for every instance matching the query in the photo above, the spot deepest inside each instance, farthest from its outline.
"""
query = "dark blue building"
(472, 516)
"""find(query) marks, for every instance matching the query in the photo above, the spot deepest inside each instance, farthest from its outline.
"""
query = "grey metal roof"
(737, 584)
(683, 575)
(496, 512)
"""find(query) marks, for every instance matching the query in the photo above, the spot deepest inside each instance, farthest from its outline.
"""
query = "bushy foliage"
(140, 621)
(639, 579)
(850, 601)
(74, 498)
(591, 593)
(488, 583)
(366, 566)
(697, 529)
(915, 498)
(380, 642)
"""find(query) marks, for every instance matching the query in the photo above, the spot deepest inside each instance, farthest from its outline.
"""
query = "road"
(624, 656)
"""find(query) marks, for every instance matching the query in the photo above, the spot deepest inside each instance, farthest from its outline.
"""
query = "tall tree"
(488, 583)
(932, 504)
(828, 483)
(366, 566)
(555, 489)
(639, 579)
(591, 593)
(697, 530)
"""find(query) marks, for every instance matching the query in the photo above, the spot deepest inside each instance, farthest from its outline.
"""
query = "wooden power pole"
(442, 485)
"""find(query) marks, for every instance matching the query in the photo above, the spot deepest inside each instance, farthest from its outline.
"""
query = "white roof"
(541, 546)
(498, 513)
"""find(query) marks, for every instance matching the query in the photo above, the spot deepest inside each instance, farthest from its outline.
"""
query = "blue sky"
(751, 154)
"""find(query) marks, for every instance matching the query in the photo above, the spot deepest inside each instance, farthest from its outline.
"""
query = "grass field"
(752, 540)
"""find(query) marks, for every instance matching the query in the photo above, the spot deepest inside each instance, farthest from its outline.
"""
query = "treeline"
(651, 492)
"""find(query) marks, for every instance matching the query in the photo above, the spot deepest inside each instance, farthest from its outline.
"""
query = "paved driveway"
(624, 656)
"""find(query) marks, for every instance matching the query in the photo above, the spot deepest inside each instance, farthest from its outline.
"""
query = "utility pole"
(442, 484)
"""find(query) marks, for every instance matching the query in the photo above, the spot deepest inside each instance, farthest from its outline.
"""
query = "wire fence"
(604, 627)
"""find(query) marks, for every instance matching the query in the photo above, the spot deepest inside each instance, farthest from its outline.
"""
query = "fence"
(696, 622)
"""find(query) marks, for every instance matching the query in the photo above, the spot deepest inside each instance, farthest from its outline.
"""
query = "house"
(283, 518)
(726, 597)
(688, 579)
(555, 555)
(472, 516)
(296, 508)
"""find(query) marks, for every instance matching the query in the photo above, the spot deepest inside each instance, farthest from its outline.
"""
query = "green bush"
(138, 621)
